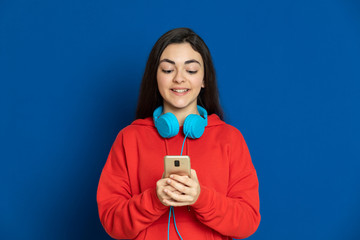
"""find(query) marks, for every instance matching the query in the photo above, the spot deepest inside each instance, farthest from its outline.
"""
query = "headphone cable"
(182, 148)
(171, 210)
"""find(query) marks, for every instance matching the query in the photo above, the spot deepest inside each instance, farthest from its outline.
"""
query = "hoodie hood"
(213, 120)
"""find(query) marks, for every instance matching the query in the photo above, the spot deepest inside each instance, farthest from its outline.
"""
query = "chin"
(179, 106)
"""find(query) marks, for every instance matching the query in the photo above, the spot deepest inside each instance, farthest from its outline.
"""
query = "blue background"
(288, 75)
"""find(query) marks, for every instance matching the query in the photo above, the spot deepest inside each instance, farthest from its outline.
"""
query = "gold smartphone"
(176, 165)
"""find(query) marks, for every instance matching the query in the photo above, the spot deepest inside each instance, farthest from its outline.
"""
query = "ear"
(203, 84)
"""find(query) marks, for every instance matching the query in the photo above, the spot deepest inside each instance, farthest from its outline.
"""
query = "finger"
(179, 186)
(168, 197)
(175, 203)
(179, 197)
(172, 189)
(185, 180)
(162, 196)
(161, 183)
(193, 175)
(169, 187)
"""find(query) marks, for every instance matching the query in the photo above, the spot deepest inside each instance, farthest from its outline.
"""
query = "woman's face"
(180, 77)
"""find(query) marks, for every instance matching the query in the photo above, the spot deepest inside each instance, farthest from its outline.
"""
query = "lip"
(180, 91)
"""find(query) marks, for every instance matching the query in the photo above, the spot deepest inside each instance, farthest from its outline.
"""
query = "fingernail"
(168, 181)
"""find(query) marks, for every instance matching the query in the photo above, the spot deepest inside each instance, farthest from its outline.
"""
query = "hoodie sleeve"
(122, 213)
(235, 214)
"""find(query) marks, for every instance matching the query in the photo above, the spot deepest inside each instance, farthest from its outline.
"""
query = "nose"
(179, 78)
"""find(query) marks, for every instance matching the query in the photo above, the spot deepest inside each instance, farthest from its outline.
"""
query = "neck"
(181, 113)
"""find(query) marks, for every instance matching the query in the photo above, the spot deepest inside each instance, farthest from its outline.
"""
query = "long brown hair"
(150, 98)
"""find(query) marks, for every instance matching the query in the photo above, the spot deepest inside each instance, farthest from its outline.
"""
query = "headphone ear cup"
(167, 125)
(194, 126)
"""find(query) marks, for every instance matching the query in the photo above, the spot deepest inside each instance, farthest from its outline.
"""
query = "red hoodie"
(228, 205)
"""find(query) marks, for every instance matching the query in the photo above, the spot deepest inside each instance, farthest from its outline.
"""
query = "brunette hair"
(149, 96)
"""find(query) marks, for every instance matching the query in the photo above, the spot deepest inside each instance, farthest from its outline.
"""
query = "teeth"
(180, 90)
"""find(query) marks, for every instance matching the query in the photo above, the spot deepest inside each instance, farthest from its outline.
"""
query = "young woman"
(179, 111)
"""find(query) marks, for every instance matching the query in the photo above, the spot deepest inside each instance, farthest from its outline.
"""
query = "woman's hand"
(161, 188)
(180, 190)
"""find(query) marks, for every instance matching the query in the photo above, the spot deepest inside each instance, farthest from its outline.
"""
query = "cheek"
(199, 81)
(159, 77)
(161, 82)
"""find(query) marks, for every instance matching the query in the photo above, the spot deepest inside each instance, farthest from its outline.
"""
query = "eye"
(192, 72)
(166, 71)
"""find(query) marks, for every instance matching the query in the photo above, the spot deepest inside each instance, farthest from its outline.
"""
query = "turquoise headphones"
(168, 125)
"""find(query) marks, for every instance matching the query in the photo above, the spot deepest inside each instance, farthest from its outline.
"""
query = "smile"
(179, 90)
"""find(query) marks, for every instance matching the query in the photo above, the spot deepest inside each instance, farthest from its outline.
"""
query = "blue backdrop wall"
(288, 75)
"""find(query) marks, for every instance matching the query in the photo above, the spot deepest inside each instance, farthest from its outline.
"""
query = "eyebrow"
(186, 62)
